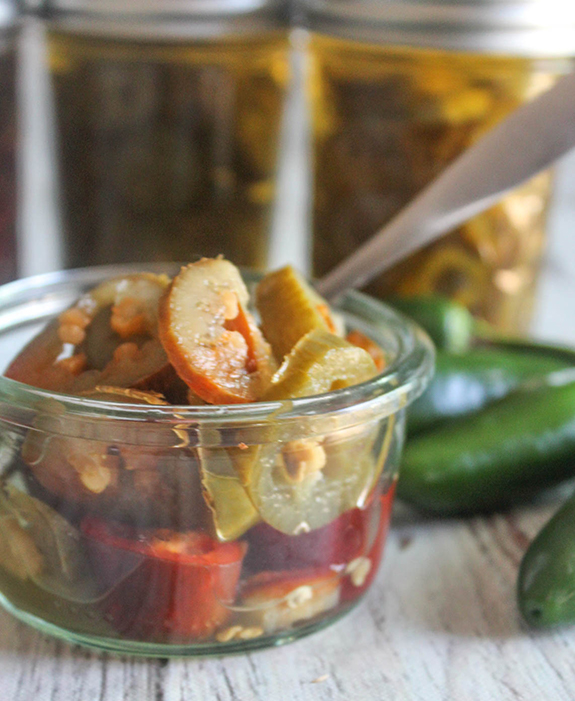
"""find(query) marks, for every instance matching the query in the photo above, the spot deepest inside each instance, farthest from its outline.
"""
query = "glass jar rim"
(162, 19)
(161, 7)
(391, 390)
(537, 28)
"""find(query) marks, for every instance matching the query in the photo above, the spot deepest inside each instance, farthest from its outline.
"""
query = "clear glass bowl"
(163, 530)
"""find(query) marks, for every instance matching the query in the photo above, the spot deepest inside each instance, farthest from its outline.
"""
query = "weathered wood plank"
(440, 623)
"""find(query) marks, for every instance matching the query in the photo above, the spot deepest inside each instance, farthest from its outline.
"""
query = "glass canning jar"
(167, 126)
(126, 527)
(399, 88)
(8, 38)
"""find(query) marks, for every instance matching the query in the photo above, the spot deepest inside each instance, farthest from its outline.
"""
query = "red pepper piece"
(280, 599)
(362, 341)
(352, 587)
(180, 589)
(333, 545)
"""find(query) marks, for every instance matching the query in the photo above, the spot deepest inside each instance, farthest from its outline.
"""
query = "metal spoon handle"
(528, 141)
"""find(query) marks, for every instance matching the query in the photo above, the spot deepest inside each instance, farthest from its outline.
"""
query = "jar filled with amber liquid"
(399, 88)
(167, 124)
(8, 37)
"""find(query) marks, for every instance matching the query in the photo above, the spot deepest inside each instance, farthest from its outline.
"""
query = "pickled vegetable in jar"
(167, 129)
(393, 103)
(183, 486)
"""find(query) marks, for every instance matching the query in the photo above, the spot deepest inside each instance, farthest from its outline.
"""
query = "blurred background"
(281, 132)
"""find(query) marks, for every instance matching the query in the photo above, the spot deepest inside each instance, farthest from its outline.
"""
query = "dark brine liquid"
(167, 150)
(7, 159)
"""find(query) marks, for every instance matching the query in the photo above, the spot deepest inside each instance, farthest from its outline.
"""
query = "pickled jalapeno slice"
(290, 308)
(105, 338)
(210, 337)
(233, 512)
(117, 310)
(320, 362)
(304, 484)
(275, 601)
(40, 545)
(356, 338)
(141, 484)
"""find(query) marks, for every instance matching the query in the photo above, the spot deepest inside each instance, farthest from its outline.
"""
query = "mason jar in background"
(8, 33)
(167, 120)
(399, 88)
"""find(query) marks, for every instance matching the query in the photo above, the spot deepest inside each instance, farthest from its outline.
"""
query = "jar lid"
(159, 18)
(524, 27)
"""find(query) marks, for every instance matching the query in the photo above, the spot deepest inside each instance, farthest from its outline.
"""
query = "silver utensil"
(530, 140)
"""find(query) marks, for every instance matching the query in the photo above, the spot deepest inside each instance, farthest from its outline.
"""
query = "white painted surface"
(440, 622)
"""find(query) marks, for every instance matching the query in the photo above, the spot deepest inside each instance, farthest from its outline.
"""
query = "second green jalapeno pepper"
(449, 325)
(464, 383)
(546, 583)
(505, 452)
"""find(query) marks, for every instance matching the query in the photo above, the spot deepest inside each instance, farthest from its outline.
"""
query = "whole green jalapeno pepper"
(504, 453)
(464, 383)
(546, 582)
(449, 325)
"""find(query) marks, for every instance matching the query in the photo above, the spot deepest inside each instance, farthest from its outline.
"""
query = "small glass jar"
(8, 37)
(168, 118)
(399, 89)
(127, 527)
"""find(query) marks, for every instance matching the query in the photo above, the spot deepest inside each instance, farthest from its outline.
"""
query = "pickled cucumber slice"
(70, 352)
(210, 338)
(320, 362)
(290, 308)
(232, 511)
(305, 484)
(38, 544)
(123, 479)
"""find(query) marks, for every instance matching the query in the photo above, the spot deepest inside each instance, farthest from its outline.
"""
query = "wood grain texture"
(440, 623)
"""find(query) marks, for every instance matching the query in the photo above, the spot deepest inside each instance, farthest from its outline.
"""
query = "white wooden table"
(439, 623)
